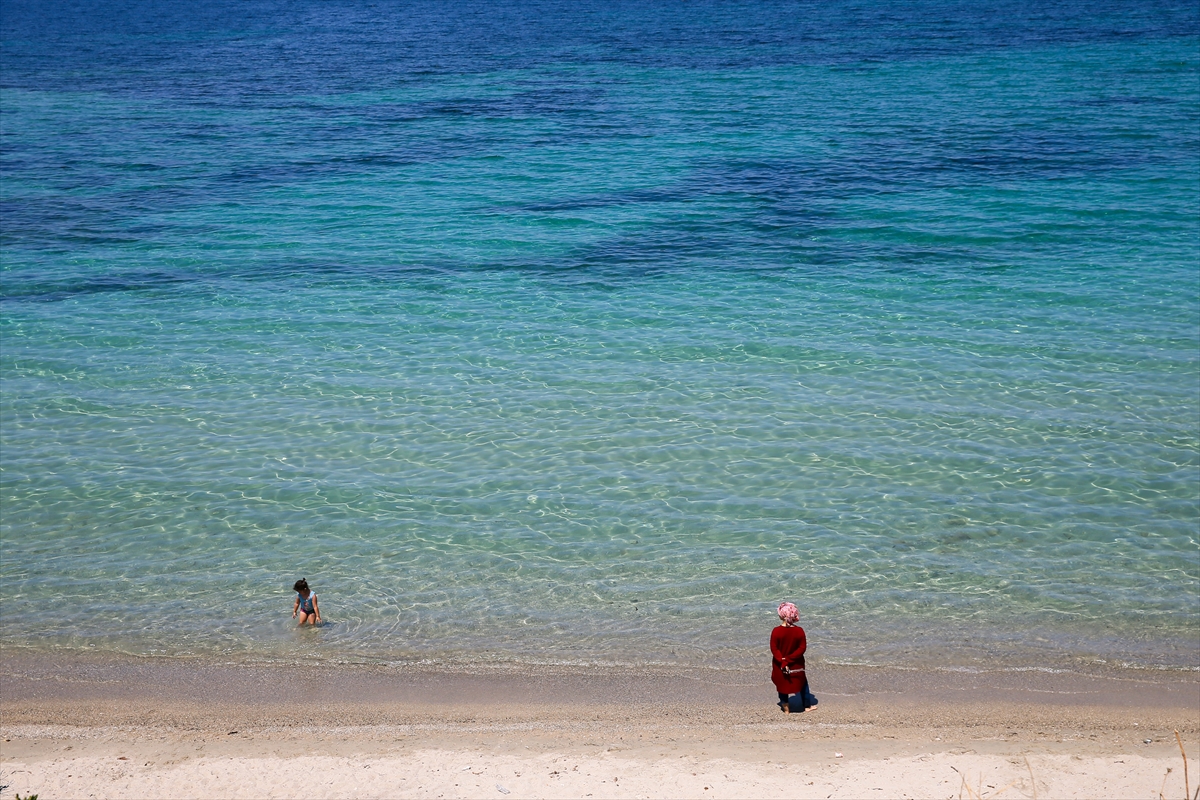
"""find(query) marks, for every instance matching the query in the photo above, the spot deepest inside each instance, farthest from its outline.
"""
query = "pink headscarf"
(789, 613)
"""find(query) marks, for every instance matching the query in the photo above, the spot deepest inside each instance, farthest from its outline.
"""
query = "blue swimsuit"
(306, 603)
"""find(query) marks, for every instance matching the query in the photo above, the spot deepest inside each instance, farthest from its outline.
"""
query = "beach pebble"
(501, 789)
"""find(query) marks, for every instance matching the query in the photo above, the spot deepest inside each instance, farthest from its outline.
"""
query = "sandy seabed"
(145, 729)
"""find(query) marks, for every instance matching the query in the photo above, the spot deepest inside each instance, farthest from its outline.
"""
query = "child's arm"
(316, 610)
(295, 606)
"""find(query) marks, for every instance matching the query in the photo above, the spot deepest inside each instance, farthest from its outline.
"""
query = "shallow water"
(587, 334)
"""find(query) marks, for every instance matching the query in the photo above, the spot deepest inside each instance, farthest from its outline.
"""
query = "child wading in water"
(306, 604)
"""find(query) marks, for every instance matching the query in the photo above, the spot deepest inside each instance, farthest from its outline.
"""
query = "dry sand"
(95, 728)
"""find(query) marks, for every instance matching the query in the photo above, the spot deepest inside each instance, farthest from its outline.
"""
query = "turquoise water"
(591, 342)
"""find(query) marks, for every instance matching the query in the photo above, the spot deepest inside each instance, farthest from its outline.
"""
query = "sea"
(585, 333)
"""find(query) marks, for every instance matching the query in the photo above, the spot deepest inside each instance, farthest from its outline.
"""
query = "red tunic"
(787, 650)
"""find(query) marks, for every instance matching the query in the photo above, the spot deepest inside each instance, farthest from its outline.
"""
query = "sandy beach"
(145, 728)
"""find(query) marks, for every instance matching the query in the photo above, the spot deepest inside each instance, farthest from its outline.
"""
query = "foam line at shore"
(32, 679)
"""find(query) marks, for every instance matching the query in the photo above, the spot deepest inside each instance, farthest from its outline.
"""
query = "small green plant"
(27, 797)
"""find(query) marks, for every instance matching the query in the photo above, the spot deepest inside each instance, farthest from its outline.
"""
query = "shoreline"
(27, 674)
(128, 728)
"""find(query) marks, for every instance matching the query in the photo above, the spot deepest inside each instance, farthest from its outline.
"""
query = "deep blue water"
(577, 332)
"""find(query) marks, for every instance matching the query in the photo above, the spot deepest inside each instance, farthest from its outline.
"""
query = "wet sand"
(111, 727)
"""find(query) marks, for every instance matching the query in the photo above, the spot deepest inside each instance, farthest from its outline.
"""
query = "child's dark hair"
(301, 585)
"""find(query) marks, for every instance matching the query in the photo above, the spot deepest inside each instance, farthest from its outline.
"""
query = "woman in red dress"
(788, 644)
